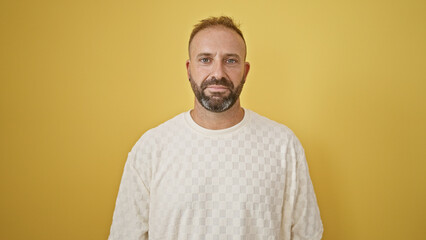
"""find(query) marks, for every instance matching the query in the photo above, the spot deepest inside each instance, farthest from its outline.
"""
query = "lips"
(217, 87)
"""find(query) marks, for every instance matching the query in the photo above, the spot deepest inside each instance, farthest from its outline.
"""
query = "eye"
(204, 60)
(231, 61)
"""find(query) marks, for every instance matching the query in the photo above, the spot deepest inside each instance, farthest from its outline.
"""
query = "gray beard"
(217, 102)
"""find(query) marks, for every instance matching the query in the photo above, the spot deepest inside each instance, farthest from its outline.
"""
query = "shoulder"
(155, 135)
(275, 130)
(262, 122)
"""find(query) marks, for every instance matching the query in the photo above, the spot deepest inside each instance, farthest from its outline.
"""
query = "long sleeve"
(301, 217)
(131, 215)
(306, 224)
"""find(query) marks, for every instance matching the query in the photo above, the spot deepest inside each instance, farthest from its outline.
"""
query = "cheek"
(237, 75)
(199, 73)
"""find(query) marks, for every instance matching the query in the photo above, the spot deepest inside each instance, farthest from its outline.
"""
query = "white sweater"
(250, 181)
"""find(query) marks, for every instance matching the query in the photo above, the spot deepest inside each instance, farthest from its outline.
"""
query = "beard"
(218, 101)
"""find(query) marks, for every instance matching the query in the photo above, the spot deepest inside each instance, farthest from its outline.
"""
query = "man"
(218, 171)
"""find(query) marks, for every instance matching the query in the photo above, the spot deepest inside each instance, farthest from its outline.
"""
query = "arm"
(300, 214)
(306, 224)
(131, 215)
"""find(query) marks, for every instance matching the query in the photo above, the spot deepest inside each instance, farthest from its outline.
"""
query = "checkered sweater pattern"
(250, 181)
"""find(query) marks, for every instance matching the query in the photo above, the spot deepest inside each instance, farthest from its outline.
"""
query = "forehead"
(217, 39)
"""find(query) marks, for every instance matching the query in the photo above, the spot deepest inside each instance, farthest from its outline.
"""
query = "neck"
(214, 120)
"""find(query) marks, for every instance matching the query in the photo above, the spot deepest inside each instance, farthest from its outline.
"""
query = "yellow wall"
(82, 80)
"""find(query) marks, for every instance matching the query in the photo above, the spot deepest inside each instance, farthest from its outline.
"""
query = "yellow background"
(82, 80)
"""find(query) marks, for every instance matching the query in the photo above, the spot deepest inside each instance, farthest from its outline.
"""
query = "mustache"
(213, 81)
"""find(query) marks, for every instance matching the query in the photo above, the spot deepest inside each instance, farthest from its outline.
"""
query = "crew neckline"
(193, 125)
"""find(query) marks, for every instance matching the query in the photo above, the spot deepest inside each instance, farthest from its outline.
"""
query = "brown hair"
(224, 21)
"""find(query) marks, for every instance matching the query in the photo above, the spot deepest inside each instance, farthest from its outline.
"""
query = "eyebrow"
(210, 54)
(204, 54)
(233, 55)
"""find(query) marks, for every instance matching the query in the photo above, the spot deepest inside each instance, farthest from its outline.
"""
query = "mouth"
(217, 88)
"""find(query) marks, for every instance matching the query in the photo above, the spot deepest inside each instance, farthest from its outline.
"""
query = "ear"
(188, 72)
(246, 70)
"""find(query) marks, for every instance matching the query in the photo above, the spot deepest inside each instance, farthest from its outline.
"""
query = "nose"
(218, 70)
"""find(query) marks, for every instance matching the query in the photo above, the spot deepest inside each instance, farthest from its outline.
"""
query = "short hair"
(224, 21)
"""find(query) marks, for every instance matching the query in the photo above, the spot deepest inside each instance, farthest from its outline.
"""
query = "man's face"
(217, 69)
